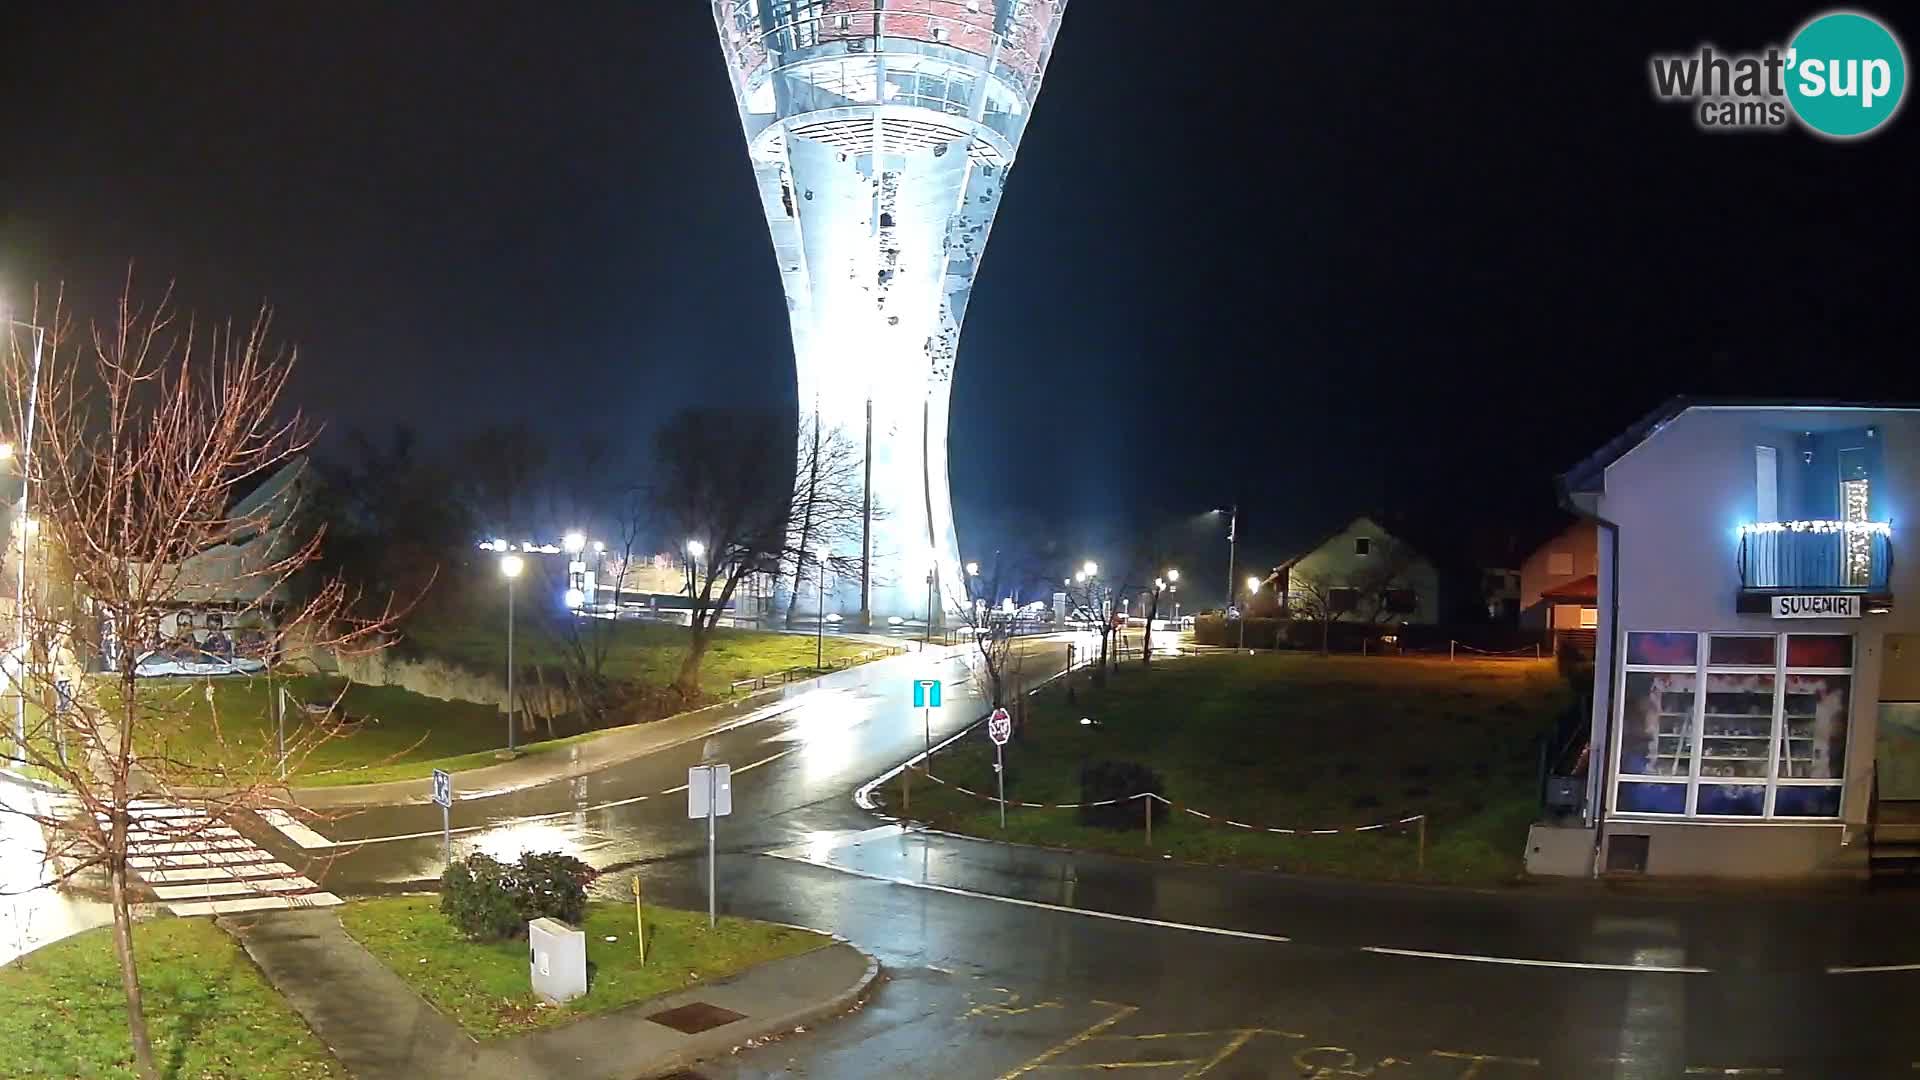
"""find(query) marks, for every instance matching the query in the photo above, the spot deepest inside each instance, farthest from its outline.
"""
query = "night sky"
(1322, 258)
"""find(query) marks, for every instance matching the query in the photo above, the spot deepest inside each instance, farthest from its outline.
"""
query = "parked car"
(193, 660)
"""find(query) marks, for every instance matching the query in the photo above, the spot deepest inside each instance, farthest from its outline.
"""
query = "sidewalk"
(617, 745)
(381, 1030)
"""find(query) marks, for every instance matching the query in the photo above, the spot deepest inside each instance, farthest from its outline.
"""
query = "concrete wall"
(1679, 499)
(1581, 544)
(1336, 562)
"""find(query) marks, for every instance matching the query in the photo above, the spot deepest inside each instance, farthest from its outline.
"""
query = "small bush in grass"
(1102, 780)
(488, 900)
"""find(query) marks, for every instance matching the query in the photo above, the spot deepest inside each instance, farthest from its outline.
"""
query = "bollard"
(1147, 801)
(1422, 864)
(1450, 646)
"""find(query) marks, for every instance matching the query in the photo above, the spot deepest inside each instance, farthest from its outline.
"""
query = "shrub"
(488, 900)
(1103, 780)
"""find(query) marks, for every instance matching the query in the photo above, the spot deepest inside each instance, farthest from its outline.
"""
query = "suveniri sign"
(1816, 607)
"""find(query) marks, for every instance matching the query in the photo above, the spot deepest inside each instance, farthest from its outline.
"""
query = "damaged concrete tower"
(881, 133)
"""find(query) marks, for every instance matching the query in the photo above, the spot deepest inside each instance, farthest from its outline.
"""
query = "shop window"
(1819, 651)
(1756, 729)
(1740, 651)
(1663, 649)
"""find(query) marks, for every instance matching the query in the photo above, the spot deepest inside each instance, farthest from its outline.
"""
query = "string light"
(1868, 528)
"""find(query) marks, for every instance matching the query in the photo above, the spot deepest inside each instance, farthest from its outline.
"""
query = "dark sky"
(1318, 257)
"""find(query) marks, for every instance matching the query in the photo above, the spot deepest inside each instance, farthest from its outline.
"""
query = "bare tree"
(1318, 598)
(142, 431)
(1381, 587)
(1098, 600)
(827, 505)
(725, 483)
(996, 664)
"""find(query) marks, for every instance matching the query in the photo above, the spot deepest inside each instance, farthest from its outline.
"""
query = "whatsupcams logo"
(1842, 76)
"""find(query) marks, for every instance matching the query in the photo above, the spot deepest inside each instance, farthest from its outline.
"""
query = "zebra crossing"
(196, 866)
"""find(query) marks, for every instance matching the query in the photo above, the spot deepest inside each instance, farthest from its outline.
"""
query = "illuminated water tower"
(881, 133)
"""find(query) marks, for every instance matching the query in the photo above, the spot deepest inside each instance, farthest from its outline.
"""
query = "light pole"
(510, 567)
(1253, 586)
(1233, 536)
(20, 580)
(820, 621)
(695, 549)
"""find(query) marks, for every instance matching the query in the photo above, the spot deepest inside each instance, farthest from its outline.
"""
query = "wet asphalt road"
(1007, 962)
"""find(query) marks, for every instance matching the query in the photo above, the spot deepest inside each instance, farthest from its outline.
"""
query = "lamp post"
(695, 549)
(20, 580)
(1233, 537)
(510, 567)
(1253, 586)
(820, 621)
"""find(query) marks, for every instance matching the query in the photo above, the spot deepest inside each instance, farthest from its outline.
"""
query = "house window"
(1343, 600)
(1589, 618)
(1733, 725)
(1362, 545)
(1560, 564)
(1766, 484)
(1402, 601)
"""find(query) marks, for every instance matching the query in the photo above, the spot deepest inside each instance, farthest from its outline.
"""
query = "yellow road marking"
(1476, 1060)
(1103, 1066)
(1226, 1052)
(1121, 1012)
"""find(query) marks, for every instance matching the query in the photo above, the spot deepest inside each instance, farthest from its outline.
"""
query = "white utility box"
(557, 959)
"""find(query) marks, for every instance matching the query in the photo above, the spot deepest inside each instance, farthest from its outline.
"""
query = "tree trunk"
(688, 681)
(1146, 642)
(129, 969)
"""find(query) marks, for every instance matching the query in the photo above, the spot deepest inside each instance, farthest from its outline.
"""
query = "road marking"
(1516, 961)
(1477, 1060)
(1225, 1052)
(1121, 1013)
(1043, 906)
(1872, 969)
(294, 830)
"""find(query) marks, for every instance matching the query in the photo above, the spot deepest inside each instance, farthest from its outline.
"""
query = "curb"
(845, 1001)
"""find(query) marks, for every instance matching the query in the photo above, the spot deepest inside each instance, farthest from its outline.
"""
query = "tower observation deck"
(881, 133)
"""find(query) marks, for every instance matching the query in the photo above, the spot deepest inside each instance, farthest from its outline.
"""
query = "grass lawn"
(484, 986)
(209, 1010)
(403, 736)
(1286, 740)
(643, 652)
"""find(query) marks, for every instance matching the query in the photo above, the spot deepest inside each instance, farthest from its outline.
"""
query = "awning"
(1584, 590)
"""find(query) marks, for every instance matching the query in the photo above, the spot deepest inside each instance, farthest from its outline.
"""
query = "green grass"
(1289, 741)
(210, 1012)
(402, 735)
(484, 986)
(641, 652)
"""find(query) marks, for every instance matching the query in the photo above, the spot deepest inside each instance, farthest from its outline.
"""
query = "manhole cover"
(696, 1018)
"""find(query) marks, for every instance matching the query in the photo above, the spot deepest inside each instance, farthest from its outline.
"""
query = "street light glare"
(1091, 569)
(6, 450)
(1253, 584)
(1173, 575)
(511, 565)
(973, 569)
(574, 543)
(1081, 576)
(696, 549)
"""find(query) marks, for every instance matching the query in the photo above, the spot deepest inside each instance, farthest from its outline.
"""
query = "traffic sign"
(709, 790)
(442, 788)
(926, 693)
(999, 727)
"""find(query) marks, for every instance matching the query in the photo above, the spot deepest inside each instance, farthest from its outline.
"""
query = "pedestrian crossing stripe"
(195, 865)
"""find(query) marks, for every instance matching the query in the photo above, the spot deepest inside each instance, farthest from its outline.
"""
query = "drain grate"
(695, 1018)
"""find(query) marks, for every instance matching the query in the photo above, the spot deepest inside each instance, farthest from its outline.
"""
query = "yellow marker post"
(639, 922)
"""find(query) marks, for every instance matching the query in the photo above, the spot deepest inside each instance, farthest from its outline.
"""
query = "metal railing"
(1841, 561)
(790, 675)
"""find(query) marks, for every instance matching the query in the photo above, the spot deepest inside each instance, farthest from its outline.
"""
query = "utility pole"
(1233, 536)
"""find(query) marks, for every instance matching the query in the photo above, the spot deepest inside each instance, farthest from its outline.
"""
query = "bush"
(488, 900)
(1103, 780)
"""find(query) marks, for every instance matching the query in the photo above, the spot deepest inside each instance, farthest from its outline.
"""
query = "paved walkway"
(381, 1030)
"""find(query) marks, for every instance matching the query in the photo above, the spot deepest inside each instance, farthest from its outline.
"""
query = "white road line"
(255, 903)
(1087, 912)
(216, 873)
(755, 765)
(294, 830)
(1872, 969)
(1521, 962)
(207, 890)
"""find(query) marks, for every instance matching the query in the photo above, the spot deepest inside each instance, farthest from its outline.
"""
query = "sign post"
(1000, 729)
(443, 796)
(280, 728)
(926, 698)
(639, 922)
(710, 795)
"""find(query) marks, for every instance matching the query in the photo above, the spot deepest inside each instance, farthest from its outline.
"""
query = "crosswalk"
(196, 866)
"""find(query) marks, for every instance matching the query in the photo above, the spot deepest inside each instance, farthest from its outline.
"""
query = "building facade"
(1363, 571)
(1757, 665)
(1560, 586)
(881, 133)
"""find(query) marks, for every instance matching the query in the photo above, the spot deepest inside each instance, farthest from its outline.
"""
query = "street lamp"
(574, 542)
(695, 549)
(20, 582)
(1233, 536)
(510, 567)
(820, 621)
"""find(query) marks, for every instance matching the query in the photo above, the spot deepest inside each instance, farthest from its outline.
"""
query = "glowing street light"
(1253, 584)
(574, 543)
(1090, 568)
(973, 569)
(696, 549)
(510, 567)
(6, 451)
(1173, 575)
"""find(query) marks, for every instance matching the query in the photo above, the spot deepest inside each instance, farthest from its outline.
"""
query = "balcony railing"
(1828, 556)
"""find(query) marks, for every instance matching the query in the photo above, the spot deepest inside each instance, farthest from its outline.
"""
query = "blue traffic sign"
(926, 693)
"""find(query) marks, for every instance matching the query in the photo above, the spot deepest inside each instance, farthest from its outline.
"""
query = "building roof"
(1580, 589)
(1588, 474)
